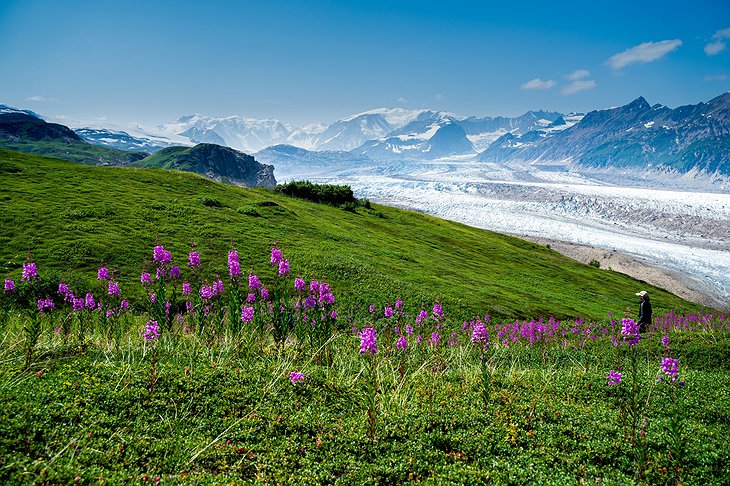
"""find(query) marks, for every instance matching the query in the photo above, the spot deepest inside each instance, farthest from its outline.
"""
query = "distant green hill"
(26, 133)
(215, 161)
(71, 217)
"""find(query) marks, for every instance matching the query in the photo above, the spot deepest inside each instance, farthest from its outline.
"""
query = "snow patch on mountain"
(242, 133)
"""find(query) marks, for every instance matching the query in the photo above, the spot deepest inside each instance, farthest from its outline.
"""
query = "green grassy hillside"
(167, 159)
(74, 151)
(227, 164)
(71, 217)
(29, 134)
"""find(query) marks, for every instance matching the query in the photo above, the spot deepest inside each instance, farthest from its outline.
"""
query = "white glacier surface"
(680, 231)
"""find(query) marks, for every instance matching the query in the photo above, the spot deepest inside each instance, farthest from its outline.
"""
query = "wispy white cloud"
(714, 48)
(439, 97)
(718, 45)
(37, 98)
(716, 77)
(578, 74)
(538, 83)
(578, 85)
(643, 53)
(402, 100)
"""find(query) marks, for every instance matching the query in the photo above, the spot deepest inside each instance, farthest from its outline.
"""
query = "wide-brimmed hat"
(642, 293)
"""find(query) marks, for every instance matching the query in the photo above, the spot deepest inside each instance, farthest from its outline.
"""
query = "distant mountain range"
(385, 132)
(24, 131)
(692, 138)
(121, 140)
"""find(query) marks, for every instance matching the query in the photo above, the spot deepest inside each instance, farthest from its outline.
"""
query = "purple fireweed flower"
(206, 292)
(402, 343)
(109, 313)
(234, 269)
(247, 314)
(160, 273)
(114, 288)
(175, 272)
(327, 298)
(409, 330)
(189, 306)
(614, 378)
(253, 282)
(283, 268)
(299, 284)
(168, 306)
(333, 314)
(310, 302)
(368, 340)
(102, 274)
(669, 367)
(419, 339)
(90, 303)
(296, 377)
(421, 316)
(372, 309)
(145, 278)
(193, 259)
(630, 331)
(187, 289)
(160, 255)
(398, 304)
(388, 312)
(152, 331)
(275, 256)
(78, 304)
(251, 298)
(30, 271)
(46, 303)
(9, 285)
(153, 297)
(438, 311)
(124, 305)
(264, 293)
(314, 286)
(665, 342)
(63, 288)
(435, 338)
(218, 287)
(479, 334)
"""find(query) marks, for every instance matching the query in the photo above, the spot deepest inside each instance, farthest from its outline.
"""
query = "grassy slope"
(76, 151)
(165, 158)
(74, 216)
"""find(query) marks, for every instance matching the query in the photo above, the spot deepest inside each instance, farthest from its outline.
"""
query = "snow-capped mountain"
(385, 132)
(242, 133)
(691, 138)
(349, 133)
(4, 109)
(430, 136)
(122, 140)
(352, 131)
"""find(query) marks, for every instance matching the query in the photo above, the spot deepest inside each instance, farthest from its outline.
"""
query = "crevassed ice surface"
(679, 231)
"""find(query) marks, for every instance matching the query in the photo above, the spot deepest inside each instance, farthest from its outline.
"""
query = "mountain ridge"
(688, 138)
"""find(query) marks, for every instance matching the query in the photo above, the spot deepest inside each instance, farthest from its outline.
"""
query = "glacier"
(685, 232)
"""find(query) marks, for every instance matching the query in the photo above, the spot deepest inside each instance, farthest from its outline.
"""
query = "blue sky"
(309, 61)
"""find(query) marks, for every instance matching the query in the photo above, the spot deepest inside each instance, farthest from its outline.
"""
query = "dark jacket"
(645, 312)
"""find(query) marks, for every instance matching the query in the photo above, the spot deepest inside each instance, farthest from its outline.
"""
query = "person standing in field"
(644, 311)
